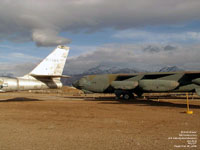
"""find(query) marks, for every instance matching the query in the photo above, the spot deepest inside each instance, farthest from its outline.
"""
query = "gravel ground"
(32, 121)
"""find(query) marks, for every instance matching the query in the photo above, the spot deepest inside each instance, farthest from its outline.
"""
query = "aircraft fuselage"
(139, 83)
(19, 84)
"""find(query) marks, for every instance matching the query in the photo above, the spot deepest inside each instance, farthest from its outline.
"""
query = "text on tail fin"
(53, 64)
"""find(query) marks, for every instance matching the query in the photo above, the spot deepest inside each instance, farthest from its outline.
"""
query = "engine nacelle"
(20, 84)
(124, 85)
(197, 90)
(196, 81)
(158, 85)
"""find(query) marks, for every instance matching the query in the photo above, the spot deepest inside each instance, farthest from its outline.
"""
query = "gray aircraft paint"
(46, 75)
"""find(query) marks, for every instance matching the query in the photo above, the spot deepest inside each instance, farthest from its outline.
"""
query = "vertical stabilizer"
(53, 64)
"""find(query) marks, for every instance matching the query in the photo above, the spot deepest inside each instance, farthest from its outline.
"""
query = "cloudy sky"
(146, 34)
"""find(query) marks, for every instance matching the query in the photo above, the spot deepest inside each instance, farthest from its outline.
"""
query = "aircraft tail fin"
(53, 64)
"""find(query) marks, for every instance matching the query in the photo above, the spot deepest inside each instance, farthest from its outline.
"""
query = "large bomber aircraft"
(126, 84)
(46, 75)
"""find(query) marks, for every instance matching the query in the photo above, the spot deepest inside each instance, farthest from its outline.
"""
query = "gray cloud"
(134, 56)
(122, 55)
(155, 48)
(42, 21)
(169, 48)
(17, 63)
(155, 37)
(18, 69)
(48, 38)
(152, 49)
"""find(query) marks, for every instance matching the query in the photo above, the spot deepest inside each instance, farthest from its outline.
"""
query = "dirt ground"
(59, 121)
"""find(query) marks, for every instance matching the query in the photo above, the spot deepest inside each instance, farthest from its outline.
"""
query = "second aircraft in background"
(126, 84)
(46, 75)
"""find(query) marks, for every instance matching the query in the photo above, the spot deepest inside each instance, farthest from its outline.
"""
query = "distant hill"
(171, 69)
(103, 69)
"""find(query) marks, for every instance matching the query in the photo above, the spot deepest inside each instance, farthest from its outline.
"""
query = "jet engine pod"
(124, 85)
(158, 85)
(197, 81)
(197, 91)
(87, 92)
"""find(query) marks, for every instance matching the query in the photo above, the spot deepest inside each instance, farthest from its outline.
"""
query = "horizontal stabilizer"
(50, 76)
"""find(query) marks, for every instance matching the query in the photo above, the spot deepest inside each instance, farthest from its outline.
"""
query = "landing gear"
(118, 93)
(126, 95)
(138, 93)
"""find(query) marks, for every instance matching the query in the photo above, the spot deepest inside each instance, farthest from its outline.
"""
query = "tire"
(127, 96)
(118, 93)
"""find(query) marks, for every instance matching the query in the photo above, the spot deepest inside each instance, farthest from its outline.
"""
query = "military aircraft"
(46, 75)
(138, 83)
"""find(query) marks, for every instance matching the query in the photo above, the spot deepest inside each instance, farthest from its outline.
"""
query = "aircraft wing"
(139, 83)
(158, 82)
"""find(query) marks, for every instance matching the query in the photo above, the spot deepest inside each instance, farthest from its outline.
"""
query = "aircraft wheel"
(118, 94)
(127, 96)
